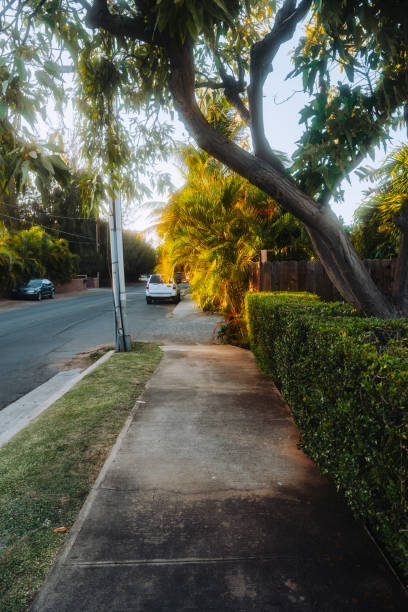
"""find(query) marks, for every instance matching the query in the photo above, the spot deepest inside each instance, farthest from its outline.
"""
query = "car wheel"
(149, 300)
(39, 296)
(52, 294)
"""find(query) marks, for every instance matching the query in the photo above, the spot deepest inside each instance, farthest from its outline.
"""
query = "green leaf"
(59, 163)
(3, 110)
(22, 73)
(25, 167)
(223, 7)
(349, 71)
(47, 165)
(44, 79)
(53, 68)
(53, 147)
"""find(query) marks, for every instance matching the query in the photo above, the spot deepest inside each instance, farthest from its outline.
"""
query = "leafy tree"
(33, 253)
(382, 221)
(214, 228)
(10, 262)
(139, 257)
(372, 238)
(60, 210)
(163, 53)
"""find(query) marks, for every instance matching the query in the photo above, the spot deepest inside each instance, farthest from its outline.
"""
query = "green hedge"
(345, 377)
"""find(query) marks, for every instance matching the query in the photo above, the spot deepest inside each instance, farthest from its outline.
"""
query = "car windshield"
(33, 283)
(156, 279)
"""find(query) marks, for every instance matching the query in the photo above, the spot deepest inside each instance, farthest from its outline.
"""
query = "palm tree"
(216, 225)
(33, 253)
(385, 201)
(384, 216)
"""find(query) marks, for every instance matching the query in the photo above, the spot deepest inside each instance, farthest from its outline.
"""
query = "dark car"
(35, 289)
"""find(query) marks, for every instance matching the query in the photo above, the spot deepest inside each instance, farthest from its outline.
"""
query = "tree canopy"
(58, 211)
(182, 54)
(33, 253)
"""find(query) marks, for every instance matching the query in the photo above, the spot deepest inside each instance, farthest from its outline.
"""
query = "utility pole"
(122, 336)
(97, 235)
(123, 339)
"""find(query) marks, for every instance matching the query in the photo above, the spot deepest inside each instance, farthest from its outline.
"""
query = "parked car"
(158, 288)
(35, 289)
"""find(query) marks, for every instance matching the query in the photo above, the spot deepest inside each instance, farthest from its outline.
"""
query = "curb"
(19, 414)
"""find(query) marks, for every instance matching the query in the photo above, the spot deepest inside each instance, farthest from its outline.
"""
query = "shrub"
(345, 378)
(33, 253)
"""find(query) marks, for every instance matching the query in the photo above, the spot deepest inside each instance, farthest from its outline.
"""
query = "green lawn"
(47, 470)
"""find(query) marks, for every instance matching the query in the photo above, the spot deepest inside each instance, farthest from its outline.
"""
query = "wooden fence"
(310, 276)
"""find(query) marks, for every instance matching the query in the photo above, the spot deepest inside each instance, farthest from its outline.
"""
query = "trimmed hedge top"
(345, 377)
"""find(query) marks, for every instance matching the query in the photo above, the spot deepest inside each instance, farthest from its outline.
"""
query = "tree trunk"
(340, 260)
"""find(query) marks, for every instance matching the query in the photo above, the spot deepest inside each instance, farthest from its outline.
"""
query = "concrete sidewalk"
(206, 504)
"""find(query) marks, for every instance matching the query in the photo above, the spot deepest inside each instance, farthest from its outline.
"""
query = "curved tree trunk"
(340, 260)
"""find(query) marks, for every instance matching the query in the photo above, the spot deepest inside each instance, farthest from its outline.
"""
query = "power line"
(52, 229)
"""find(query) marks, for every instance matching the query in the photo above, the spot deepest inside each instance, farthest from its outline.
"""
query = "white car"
(158, 288)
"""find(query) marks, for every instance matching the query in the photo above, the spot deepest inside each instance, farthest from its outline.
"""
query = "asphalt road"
(38, 338)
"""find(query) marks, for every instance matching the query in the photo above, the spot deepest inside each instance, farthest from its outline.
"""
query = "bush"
(33, 253)
(345, 378)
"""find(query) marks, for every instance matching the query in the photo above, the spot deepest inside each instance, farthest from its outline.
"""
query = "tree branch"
(344, 262)
(84, 4)
(233, 88)
(30, 18)
(210, 85)
(262, 54)
(99, 16)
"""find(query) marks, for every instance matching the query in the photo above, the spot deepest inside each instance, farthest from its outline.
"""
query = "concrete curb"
(23, 411)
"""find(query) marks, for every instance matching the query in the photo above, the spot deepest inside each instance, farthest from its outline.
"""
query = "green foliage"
(215, 227)
(61, 210)
(39, 43)
(352, 61)
(375, 233)
(139, 257)
(345, 378)
(33, 253)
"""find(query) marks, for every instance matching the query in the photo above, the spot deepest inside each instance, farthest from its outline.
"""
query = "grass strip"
(48, 469)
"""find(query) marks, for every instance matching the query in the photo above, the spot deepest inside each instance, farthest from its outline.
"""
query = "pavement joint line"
(181, 561)
(236, 389)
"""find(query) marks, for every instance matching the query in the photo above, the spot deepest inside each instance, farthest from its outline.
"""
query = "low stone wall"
(76, 284)
(92, 282)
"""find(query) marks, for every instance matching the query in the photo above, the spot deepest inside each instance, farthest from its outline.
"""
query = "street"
(38, 338)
